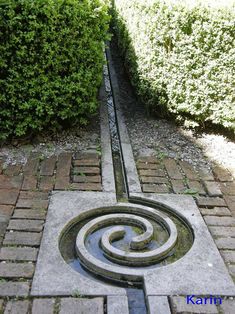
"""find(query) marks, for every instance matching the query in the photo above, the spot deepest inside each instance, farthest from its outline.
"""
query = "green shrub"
(181, 57)
(51, 58)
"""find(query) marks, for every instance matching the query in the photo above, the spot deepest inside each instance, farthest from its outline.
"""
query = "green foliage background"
(180, 57)
(51, 58)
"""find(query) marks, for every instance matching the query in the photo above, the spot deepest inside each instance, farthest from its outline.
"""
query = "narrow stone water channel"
(134, 289)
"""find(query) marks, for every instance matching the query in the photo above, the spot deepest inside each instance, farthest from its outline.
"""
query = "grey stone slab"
(158, 305)
(108, 180)
(202, 269)
(53, 276)
(22, 238)
(81, 306)
(117, 305)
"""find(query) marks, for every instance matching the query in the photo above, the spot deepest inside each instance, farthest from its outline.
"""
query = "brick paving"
(24, 199)
(214, 193)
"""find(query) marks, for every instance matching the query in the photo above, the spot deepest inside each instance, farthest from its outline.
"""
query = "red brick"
(86, 155)
(222, 174)
(222, 231)
(152, 173)
(225, 243)
(43, 306)
(229, 256)
(29, 183)
(196, 186)
(189, 170)
(29, 214)
(22, 238)
(154, 180)
(230, 200)
(155, 188)
(86, 170)
(87, 162)
(25, 225)
(13, 170)
(18, 254)
(14, 289)
(16, 270)
(149, 159)
(17, 307)
(206, 175)
(34, 195)
(48, 166)
(8, 197)
(64, 165)
(46, 183)
(86, 186)
(1, 166)
(32, 203)
(87, 179)
(145, 165)
(210, 201)
(212, 188)
(216, 211)
(220, 221)
(10, 183)
(6, 211)
(178, 186)
(32, 164)
(172, 169)
(62, 183)
(228, 188)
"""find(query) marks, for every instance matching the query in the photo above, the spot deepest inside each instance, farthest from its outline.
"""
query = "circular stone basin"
(122, 242)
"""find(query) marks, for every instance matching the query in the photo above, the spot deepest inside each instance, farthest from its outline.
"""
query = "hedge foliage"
(51, 57)
(180, 56)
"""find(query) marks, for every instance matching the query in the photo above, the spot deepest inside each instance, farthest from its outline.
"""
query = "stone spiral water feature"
(121, 243)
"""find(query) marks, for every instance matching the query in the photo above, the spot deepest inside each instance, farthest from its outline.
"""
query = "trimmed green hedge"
(181, 58)
(51, 58)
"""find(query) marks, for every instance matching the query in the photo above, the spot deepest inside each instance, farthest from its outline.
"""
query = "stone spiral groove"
(138, 256)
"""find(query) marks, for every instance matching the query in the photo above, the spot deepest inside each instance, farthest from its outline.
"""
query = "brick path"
(24, 198)
(213, 192)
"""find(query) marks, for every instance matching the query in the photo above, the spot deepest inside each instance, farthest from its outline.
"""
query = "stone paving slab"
(53, 276)
(201, 270)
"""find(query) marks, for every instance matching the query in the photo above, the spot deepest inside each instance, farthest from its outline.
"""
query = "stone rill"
(151, 238)
(88, 218)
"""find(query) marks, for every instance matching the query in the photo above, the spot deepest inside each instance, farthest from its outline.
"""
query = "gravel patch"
(73, 139)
